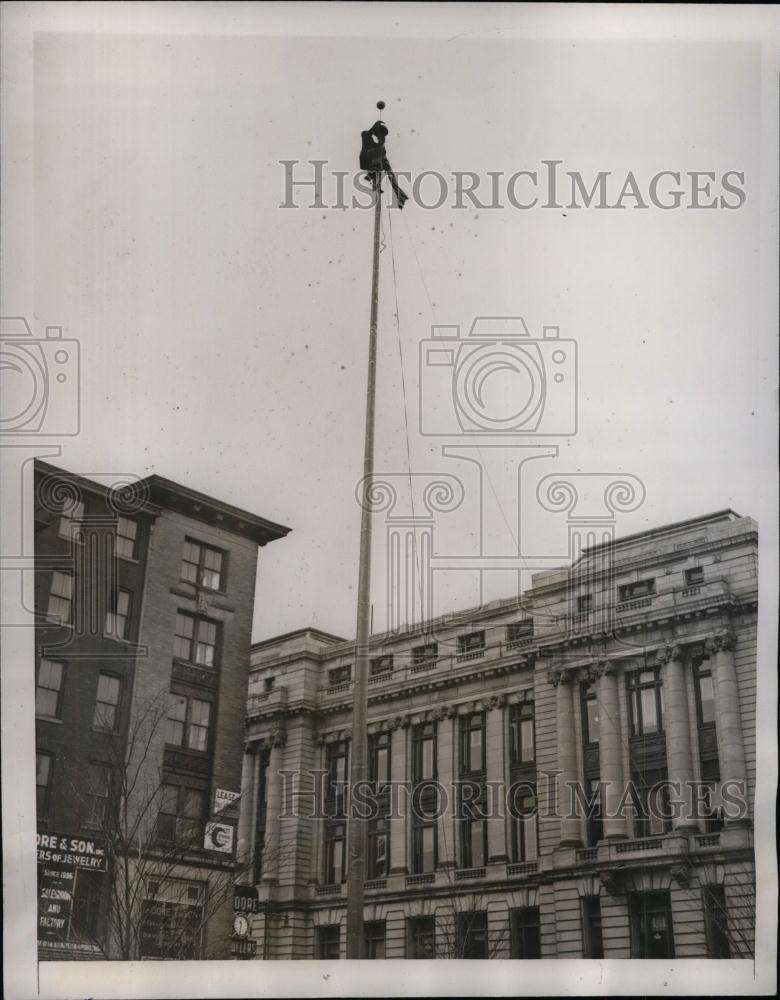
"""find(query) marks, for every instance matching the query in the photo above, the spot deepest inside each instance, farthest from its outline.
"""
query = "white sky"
(223, 340)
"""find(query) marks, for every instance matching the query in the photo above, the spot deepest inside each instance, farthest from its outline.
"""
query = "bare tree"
(154, 901)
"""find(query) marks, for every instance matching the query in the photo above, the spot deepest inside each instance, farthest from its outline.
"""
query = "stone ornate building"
(580, 764)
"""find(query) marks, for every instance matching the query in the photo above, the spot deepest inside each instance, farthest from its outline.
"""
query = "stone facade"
(156, 626)
(623, 686)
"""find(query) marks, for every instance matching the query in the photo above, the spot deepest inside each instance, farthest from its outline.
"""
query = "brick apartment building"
(634, 667)
(144, 600)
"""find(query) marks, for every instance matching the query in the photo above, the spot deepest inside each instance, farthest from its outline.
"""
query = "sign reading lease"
(224, 798)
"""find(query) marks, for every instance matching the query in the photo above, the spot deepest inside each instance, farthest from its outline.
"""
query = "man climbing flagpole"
(374, 160)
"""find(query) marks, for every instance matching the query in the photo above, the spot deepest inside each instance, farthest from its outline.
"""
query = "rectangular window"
(335, 844)
(202, 565)
(60, 598)
(196, 639)
(653, 805)
(471, 645)
(523, 812)
(645, 702)
(43, 770)
(633, 591)
(86, 905)
(652, 933)
(117, 619)
(106, 703)
(474, 831)
(421, 937)
(70, 522)
(716, 921)
(594, 824)
(705, 692)
(374, 935)
(181, 816)
(593, 945)
(188, 722)
(49, 688)
(98, 789)
(336, 764)
(526, 936)
(381, 665)
(340, 675)
(521, 733)
(694, 576)
(328, 942)
(379, 758)
(472, 935)
(377, 835)
(424, 752)
(171, 919)
(711, 796)
(424, 847)
(425, 655)
(584, 604)
(518, 631)
(126, 534)
(590, 715)
(268, 683)
(472, 744)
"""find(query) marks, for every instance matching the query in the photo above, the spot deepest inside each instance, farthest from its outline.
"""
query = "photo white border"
(23, 977)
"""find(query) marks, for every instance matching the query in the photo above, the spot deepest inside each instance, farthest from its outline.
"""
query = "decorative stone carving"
(671, 651)
(725, 640)
(613, 882)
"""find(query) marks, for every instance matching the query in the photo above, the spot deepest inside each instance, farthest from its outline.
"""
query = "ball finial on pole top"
(380, 105)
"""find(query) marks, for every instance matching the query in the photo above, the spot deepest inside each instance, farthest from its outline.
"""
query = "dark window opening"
(421, 937)
(694, 576)
(645, 702)
(472, 936)
(592, 942)
(374, 938)
(640, 588)
(652, 934)
(328, 942)
(526, 933)
(521, 733)
(716, 921)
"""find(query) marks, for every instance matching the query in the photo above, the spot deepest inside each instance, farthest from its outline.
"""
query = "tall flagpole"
(356, 872)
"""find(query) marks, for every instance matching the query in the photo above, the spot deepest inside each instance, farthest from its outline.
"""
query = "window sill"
(198, 666)
(48, 718)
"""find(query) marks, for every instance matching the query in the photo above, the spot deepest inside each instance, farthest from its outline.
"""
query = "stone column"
(245, 816)
(567, 759)
(495, 750)
(273, 807)
(728, 721)
(400, 802)
(446, 751)
(677, 726)
(611, 752)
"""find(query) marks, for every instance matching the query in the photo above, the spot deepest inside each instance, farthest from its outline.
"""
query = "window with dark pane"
(49, 688)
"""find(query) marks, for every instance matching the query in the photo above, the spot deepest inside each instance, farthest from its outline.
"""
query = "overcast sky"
(223, 339)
